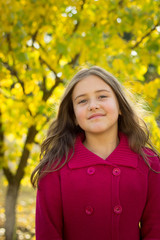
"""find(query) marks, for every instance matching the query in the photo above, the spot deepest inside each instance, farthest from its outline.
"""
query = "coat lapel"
(122, 156)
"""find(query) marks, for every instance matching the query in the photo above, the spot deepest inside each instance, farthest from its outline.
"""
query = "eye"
(102, 96)
(82, 101)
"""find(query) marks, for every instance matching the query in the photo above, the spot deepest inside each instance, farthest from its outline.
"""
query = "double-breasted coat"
(91, 198)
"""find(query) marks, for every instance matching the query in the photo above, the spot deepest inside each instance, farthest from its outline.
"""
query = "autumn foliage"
(43, 44)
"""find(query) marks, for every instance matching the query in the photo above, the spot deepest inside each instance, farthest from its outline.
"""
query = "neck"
(102, 145)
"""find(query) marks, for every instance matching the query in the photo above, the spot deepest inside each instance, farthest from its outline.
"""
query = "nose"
(93, 105)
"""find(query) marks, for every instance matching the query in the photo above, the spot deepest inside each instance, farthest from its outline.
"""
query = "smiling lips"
(96, 116)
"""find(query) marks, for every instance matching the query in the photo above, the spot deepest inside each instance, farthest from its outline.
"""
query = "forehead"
(89, 84)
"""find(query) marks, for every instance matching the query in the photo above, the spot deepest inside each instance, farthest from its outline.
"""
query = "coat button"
(118, 209)
(89, 210)
(91, 170)
(116, 171)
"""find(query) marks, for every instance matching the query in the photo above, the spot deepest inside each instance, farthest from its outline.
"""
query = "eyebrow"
(101, 90)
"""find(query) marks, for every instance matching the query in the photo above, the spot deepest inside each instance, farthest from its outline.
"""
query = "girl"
(98, 178)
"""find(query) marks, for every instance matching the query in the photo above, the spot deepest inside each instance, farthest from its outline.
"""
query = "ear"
(120, 113)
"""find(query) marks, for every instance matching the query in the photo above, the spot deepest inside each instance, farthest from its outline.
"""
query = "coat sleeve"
(49, 208)
(150, 223)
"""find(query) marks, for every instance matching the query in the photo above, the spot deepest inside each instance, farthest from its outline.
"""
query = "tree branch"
(34, 36)
(14, 73)
(48, 93)
(146, 35)
(42, 61)
(18, 100)
(9, 175)
(32, 131)
(43, 86)
(83, 2)
(8, 37)
(6, 170)
(74, 60)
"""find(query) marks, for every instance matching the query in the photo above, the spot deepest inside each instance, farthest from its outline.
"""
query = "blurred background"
(42, 45)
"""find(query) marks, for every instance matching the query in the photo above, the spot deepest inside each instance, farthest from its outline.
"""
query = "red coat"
(95, 199)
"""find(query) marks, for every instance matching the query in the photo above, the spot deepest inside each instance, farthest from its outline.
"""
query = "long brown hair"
(63, 130)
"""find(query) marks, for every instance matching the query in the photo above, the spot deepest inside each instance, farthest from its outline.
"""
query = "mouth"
(98, 115)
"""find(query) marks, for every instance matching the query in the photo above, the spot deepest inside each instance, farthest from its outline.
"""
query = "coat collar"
(122, 155)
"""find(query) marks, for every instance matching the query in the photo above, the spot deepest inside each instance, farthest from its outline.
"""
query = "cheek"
(112, 107)
(109, 105)
(79, 114)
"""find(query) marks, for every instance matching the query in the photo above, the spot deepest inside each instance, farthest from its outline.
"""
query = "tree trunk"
(10, 211)
(14, 185)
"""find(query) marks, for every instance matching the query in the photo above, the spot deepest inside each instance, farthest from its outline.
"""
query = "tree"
(43, 43)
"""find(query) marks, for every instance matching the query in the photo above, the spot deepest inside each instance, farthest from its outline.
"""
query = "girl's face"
(95, 106)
